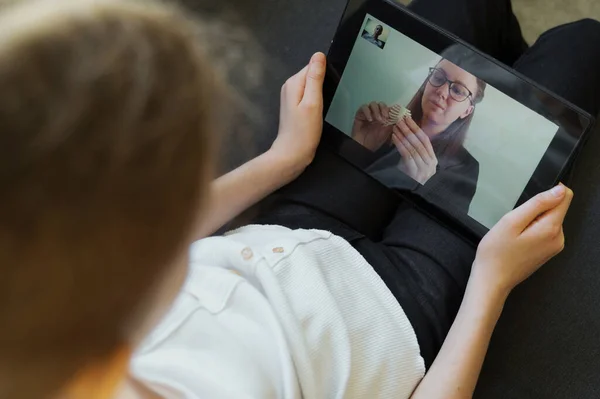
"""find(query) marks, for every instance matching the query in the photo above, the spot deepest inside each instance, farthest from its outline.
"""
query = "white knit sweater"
(303, 315)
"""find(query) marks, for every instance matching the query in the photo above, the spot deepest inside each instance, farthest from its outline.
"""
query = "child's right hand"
(522, 241)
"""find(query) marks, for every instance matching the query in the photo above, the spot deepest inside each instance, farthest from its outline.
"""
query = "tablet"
(439, 122)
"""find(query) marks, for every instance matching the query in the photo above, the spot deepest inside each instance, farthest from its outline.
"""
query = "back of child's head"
(105, 115)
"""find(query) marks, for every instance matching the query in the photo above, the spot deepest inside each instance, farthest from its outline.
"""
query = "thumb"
(313, 91)
(527, 213)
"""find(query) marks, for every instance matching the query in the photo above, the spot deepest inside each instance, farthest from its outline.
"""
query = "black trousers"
(425, 265)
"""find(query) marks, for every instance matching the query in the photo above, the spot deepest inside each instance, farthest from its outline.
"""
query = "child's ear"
(102, 379)
(467, 112)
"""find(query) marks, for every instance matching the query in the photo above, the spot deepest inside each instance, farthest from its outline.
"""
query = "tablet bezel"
(574, 123)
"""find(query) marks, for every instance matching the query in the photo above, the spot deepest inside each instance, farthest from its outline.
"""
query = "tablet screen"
(434, 127)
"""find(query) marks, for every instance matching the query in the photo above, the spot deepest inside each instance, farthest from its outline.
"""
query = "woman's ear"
(467, 112)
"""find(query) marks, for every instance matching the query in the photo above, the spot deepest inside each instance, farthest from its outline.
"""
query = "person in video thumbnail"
(374, 38)
(428, 142)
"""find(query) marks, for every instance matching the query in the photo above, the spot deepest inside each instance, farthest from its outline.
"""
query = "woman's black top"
(454, 183)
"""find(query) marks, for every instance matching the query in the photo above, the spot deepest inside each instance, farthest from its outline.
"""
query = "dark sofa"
(547, 344)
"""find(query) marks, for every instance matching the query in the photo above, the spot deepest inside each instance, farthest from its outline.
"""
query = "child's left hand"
(301, 115)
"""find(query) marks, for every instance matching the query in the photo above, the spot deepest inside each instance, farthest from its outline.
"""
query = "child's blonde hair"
(105, 120)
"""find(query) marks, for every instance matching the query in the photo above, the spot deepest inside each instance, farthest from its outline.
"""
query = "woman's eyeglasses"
(458, 91)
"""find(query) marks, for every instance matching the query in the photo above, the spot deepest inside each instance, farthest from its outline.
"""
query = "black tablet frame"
(574, 123)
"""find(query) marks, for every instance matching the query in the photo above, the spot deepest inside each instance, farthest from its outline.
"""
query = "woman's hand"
(522, 241)
(301, 117)
(418, 158)
(369, 125)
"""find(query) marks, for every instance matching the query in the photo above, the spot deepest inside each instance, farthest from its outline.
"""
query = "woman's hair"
(106, 114)
(449, 142)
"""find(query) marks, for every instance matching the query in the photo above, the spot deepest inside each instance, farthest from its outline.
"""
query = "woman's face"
(439, 108)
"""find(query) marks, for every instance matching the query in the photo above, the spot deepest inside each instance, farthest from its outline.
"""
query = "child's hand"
(522, 241)
(301, 115)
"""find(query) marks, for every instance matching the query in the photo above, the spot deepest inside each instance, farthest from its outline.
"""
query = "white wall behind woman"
(509, 141)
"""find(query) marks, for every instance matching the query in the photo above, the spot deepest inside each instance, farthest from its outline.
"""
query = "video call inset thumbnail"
(431, 124)
(375, 33)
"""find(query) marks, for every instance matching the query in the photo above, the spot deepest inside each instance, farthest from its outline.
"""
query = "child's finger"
(313, 91)
(550, 222)
(293, 89)
(526, 214)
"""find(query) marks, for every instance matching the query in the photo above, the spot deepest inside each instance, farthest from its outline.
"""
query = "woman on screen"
(427, 143)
